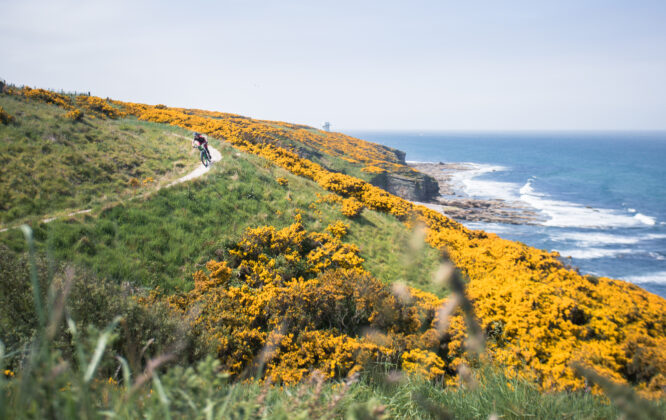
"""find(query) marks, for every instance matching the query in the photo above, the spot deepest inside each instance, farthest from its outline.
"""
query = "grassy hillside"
(275, 267)
(160, 239)
(50, 163)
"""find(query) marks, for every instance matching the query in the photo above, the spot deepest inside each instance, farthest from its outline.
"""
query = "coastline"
(598, 241)
(453, 202)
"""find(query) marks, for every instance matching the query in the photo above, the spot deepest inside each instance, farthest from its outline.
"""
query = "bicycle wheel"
(204, 158)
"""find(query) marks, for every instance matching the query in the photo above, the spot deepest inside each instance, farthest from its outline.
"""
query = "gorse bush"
(47, 96)
(291, 301)
(75, 115)
(5, 117)
(351, 207)
(94, 105)
(98, 106)
(338, 229)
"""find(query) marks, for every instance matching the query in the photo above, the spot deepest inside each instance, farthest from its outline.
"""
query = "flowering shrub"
(295, 301)
(422, 362)
(351, 207)
(282, 181)
(338, 229)
(47, 96)
(373, 169)
(328, 198)
(75, 115)
(5, 117)
(94, 105)
(98, 106)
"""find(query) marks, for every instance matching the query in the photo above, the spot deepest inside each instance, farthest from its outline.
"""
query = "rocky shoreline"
(453, 202)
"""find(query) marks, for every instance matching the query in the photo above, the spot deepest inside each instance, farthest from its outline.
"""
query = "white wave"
(650, 221)
(593, 253)
(567, 214)
(416, 162)
(558, 213)
(585, 239)
(658, 277)
(650, 236)
(528, 190)
(474, 187)
(657, 256)
(489, 227)
(591, 239)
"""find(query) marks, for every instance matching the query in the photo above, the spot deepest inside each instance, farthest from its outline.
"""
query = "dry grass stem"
(401, 291)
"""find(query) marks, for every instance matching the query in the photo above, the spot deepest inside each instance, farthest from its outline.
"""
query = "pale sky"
(423, 65)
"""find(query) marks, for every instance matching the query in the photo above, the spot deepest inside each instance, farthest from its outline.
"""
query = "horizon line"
(505, 130)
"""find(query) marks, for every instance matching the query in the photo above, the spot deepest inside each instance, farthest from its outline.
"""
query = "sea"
(600, 196)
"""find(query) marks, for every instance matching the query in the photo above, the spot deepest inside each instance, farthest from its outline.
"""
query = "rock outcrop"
(414, 187)
(453, 202)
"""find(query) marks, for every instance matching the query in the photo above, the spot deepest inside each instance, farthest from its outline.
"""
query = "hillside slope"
(540, 314)
(50, 163)
(265, 228)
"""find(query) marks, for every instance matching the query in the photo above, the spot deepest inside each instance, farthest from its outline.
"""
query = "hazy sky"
(463, 64)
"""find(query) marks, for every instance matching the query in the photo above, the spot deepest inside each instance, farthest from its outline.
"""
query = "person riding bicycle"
(200, 140)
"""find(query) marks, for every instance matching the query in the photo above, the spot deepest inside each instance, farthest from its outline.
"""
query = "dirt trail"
(214, 153)
(216, 157)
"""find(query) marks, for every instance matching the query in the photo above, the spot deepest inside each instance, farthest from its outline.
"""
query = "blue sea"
(601, 196)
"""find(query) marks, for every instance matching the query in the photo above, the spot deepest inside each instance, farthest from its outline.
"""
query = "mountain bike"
(205, 157)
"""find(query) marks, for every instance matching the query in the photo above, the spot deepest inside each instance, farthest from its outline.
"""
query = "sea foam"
(468, 182)
(658, 277)
(595, 238)
(558, 213)
(567, 214)
(585, 239)
(593, 253)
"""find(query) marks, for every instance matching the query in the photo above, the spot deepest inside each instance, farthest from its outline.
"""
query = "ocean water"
(601, 196)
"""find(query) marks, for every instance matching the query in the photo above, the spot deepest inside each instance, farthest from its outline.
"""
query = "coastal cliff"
(414, 187)
(320, 255)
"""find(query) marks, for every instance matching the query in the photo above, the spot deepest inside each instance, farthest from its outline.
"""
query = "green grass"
(493, 393)
(70, 369)
(158, 238)
(51, 165)
(200, 392)
(162, 238)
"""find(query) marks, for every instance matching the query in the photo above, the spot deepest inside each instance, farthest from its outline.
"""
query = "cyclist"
(200, 140)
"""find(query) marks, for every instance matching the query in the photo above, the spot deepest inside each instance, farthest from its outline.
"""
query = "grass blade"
(127, 375)
(162, 395)
(99, 350)
(36, 293)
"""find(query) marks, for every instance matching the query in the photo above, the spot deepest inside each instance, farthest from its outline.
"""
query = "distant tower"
(326, 126)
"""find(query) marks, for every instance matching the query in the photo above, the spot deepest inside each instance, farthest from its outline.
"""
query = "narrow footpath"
(199, 171)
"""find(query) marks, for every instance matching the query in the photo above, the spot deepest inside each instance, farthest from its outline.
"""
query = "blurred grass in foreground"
(80, 378)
